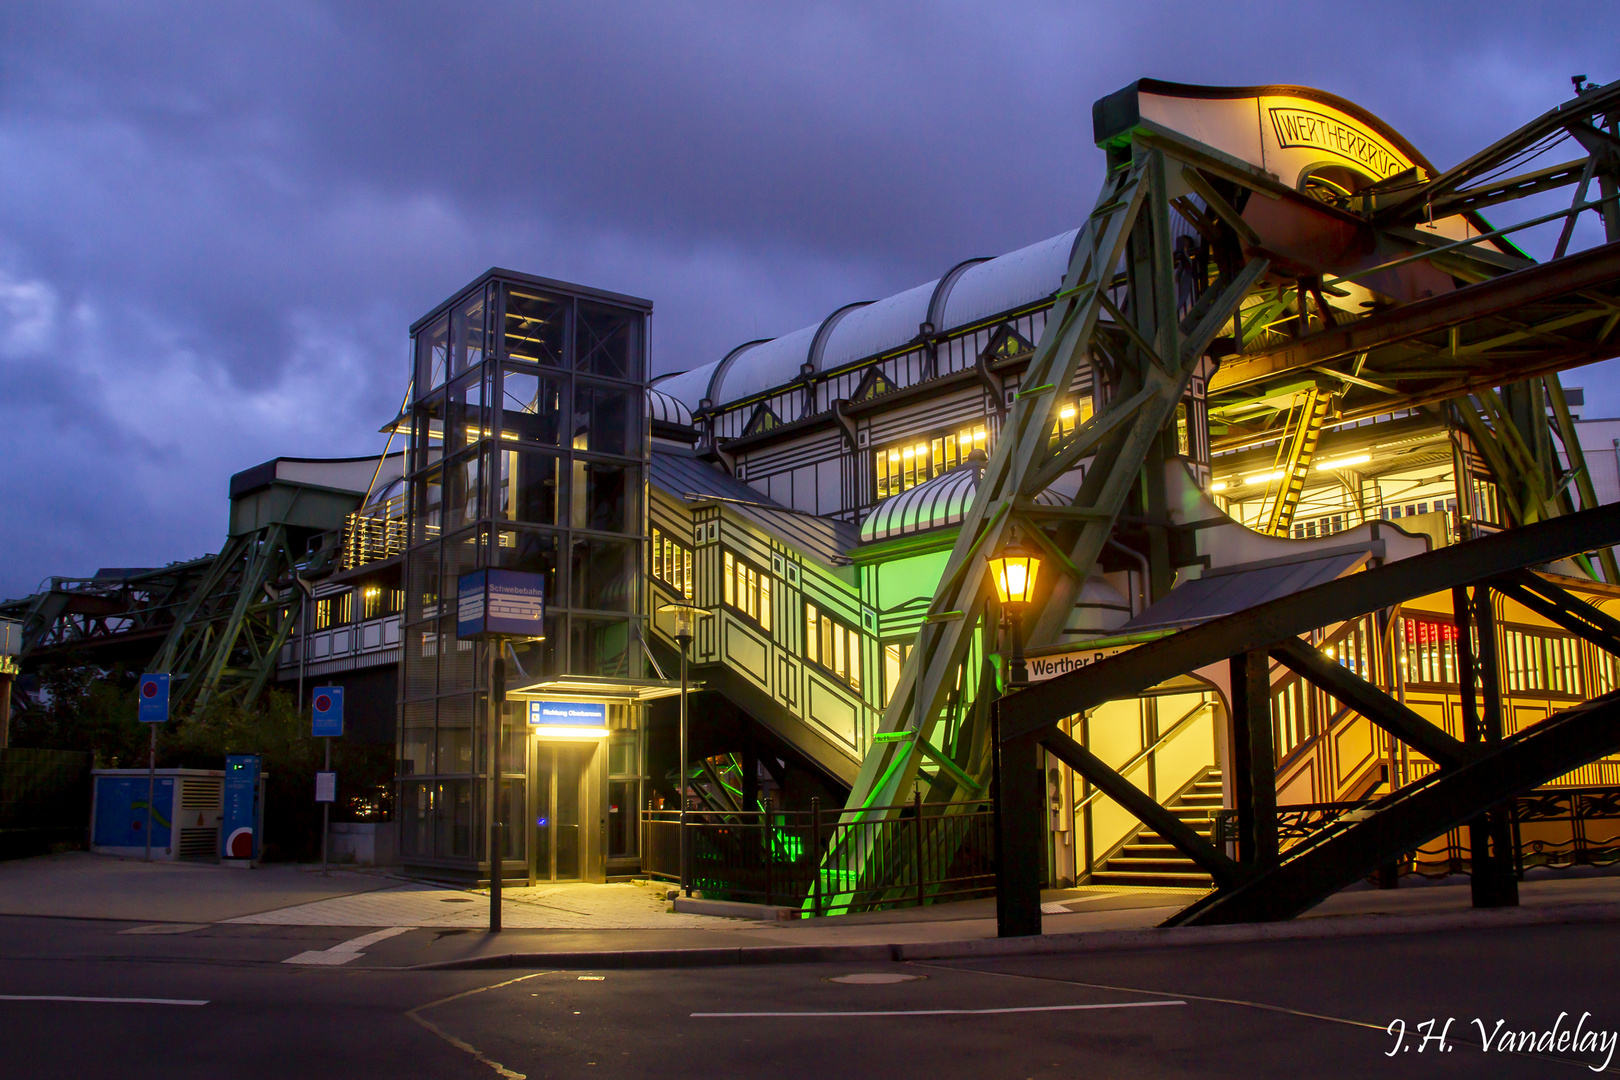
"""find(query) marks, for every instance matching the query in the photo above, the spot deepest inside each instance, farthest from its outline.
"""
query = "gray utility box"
(362, 843)
(186, 808)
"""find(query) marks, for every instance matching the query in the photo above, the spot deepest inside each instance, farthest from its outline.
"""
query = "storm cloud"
(217, 221)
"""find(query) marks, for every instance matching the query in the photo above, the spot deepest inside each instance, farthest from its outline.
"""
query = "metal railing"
(932, 853)
(1552, 827)
(378, 532)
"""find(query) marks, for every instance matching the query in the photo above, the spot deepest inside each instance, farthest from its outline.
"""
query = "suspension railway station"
(1320, 587)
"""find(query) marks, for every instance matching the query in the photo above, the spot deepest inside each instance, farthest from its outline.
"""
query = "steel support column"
(1254, 769)
(1020, 850)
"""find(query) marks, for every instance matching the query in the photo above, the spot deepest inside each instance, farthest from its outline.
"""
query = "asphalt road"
(1296, 1009)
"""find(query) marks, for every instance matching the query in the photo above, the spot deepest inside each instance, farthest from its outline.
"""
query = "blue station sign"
(500, 603)
(572, 714)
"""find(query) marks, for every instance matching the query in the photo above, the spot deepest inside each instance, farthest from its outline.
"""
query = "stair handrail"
(1147, 752)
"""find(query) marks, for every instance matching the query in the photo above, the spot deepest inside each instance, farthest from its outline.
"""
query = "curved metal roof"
(664, 407)
(876, 328)
(1009, 281)
(973, 290)
(764, 366)
(932, 504)
(688, 387)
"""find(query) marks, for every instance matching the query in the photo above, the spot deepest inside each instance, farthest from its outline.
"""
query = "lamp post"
(686, 617)
(1015, 783)
(1014, 570)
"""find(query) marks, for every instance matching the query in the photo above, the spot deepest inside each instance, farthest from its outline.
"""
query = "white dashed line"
(100, 1000)
(953, 1012)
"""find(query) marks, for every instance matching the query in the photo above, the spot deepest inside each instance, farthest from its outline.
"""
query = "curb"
(1318, 929)
(731, 909)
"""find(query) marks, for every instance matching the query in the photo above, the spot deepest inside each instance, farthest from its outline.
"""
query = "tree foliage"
(94, 710)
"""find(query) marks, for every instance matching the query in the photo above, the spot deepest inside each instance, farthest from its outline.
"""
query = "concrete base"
(361, 843)
(728, 909)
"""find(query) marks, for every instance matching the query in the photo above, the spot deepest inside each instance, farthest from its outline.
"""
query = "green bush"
(93, 710)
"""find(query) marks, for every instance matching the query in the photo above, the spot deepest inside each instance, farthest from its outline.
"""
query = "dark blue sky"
(217, 221)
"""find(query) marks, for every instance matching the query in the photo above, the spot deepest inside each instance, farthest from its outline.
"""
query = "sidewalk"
(625, 924)
(79, 885)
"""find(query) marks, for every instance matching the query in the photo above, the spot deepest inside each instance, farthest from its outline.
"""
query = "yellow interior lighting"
(550, 733)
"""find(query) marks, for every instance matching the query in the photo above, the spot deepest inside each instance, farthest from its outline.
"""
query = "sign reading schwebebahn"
(500, 602)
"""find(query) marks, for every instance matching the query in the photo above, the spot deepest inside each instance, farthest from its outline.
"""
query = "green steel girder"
(224, 644)
(1156, 353)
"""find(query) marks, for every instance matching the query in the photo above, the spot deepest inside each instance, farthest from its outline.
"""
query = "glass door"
(559, 771)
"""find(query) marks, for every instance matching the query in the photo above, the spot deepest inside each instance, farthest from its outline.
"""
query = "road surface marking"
(948, 1012)
(345, 951)
(101, 1000)
(1239, 1002)
(461, 1044)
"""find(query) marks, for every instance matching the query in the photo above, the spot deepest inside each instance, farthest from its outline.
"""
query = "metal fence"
(44, 800)
(830, 862)
(1553, 827)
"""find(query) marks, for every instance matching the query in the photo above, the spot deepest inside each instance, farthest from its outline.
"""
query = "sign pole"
(497, 701)
(326, 813)
(151, 789)
(326, 723)
(493, 606)
(152, 709)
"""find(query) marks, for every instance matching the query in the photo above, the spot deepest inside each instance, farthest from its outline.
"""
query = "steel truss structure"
(115, 616)
(215, 623)
(223, 644)
(1474, 777)
(1274, 254)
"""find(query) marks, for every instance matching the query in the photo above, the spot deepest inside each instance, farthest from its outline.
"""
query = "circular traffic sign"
(149, 688)
(323, 703)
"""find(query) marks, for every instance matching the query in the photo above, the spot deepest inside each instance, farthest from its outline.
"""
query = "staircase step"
(1148, 836)
(1124, 865)
(1148, 861)
(1151, 880)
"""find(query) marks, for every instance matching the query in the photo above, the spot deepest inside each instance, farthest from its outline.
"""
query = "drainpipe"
(1141, 561)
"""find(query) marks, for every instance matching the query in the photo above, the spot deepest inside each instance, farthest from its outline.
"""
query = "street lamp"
(1014, 569)
(686, 617)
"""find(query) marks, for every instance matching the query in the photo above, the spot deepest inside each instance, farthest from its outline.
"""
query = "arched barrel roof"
(973, 290)
(876, 328)
(1012, 280)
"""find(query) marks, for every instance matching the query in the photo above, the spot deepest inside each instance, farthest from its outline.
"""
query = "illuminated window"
(902, 467)
(376, 601)
(1293, 719)
(747, 589)
(832, 646)
(1428, 652)
(1071, 414)
(672, 563)
(894, 661)
(332, 611)
(1541, 663)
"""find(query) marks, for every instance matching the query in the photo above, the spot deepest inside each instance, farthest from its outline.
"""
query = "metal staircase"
(1296, 455)
(1149, 860)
